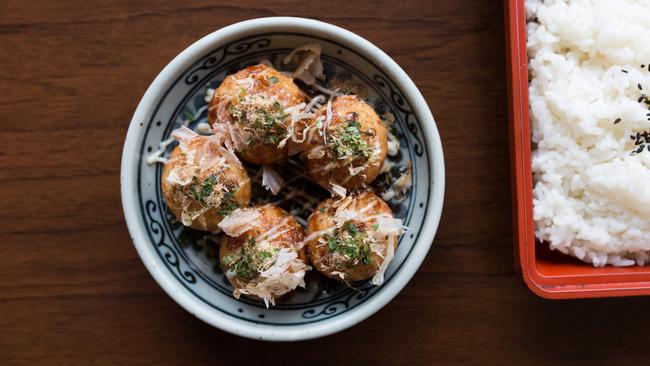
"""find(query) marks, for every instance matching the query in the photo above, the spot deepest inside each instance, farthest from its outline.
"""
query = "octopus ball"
(352, 239)
(253, 103)
(202, 182)
(346, 144)
(263, 255)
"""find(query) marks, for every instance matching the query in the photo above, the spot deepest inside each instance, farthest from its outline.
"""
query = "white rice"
(591, 194)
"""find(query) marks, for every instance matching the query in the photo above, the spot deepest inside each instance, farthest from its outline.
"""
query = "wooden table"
(73, 290)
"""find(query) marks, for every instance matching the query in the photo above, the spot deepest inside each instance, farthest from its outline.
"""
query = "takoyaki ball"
(202, 182)
(254, 102)
(347, 149)
(352, 239)
(263, 255)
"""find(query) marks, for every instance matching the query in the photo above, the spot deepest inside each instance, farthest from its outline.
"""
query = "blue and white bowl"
(187, 270)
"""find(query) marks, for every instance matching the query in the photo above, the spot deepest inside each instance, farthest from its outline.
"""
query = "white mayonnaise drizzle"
(399, 186)
(204, 128)
(315, 103)
(324, 90)
(156, 157)
(272, 233)
(209, 93)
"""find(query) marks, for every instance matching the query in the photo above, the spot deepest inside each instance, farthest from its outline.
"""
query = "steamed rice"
(591, 189)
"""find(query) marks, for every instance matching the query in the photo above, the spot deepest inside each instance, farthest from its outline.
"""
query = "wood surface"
(74, 292)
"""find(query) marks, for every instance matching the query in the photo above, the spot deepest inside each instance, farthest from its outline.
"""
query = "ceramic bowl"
(181, 261)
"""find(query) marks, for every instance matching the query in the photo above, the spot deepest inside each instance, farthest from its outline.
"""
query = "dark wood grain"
(73, 290)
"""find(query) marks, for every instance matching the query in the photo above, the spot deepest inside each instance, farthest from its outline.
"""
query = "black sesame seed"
(625, 71)
(617, 120)
(639, 86)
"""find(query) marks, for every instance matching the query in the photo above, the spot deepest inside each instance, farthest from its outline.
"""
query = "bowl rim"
(129, 166)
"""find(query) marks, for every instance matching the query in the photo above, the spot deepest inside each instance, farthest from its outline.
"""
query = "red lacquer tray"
(548, 274)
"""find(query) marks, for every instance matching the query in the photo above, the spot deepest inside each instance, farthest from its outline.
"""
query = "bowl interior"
(190, 256)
